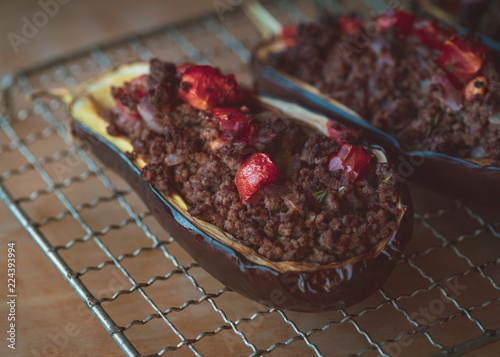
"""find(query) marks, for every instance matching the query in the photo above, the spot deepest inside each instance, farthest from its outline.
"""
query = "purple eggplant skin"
(315, 290)
(461, 178)
(456, 177)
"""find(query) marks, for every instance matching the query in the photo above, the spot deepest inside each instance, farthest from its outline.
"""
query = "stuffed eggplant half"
(277, 202)
(413, 84)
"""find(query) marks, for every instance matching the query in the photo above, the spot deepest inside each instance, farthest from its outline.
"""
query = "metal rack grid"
(442, 299)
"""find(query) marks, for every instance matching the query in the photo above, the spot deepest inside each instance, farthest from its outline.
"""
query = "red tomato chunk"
(235, 124)
(204, 87)
(255, 172)
(354, 160)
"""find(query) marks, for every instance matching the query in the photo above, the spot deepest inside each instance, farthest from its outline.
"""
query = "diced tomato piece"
(182, 67)
(233, 121)
(289, 35)
(136, 88)
(400, 19)
(357, 163)
(335, 133)
(235, 124)
(432, 34)
(353, 159)
(462, 60)
(255, 172)
(350, 25)
(205, 87)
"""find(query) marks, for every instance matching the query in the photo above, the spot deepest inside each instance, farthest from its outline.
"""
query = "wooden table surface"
(75, 24)
(52, 320)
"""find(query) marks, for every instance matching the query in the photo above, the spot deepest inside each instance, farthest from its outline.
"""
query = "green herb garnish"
(386, 179)
(428, 132)
(436, 118)
(435, 122)
(319, 195)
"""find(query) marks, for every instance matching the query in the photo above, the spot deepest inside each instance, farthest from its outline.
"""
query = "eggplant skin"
(456, 177)
(321, 289)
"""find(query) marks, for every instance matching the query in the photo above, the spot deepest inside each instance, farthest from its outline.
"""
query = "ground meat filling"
(310, 214)
(395, 82)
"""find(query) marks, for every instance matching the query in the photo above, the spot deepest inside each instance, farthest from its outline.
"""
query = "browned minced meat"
(285, 221)
(388, 79)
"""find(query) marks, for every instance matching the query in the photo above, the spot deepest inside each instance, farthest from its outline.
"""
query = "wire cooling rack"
(153, 299)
